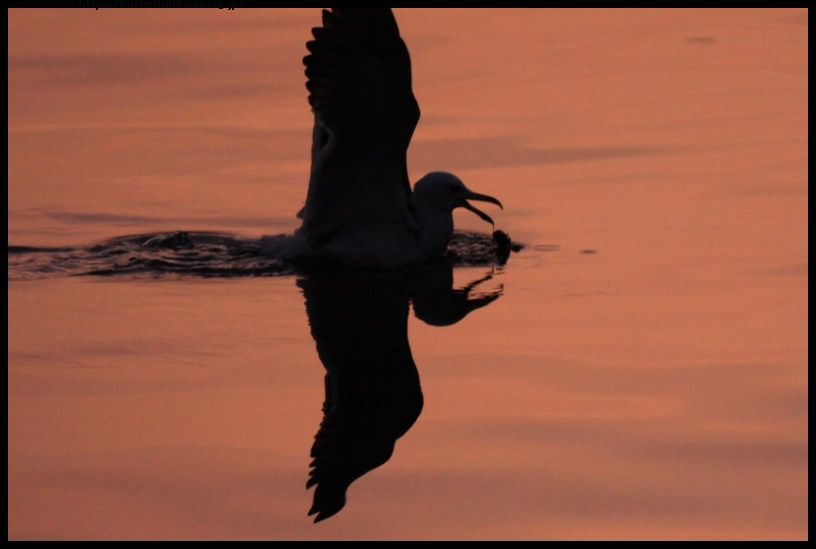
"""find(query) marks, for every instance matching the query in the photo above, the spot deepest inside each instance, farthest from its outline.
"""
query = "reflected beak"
(484, 198)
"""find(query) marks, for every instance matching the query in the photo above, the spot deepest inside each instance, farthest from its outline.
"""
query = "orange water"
(656, 388)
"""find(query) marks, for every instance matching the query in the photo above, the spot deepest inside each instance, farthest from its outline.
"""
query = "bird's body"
(360, 209)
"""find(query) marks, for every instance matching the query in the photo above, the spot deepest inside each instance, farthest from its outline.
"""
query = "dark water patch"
(117, 219)
(701, 40)
(490, 152)
(546, 248)
(204, 255)
(32, 250)
(794, 270)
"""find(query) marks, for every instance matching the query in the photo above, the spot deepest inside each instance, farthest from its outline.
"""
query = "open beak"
(484, 198)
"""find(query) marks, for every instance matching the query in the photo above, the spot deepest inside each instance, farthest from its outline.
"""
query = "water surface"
(640, 370)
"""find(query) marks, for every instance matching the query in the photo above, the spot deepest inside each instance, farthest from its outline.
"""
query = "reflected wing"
(359, 82)
(359, 322)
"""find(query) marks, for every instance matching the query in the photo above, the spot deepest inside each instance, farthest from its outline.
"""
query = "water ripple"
(201, 254)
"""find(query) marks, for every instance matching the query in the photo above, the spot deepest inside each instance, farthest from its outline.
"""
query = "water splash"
(202, 254)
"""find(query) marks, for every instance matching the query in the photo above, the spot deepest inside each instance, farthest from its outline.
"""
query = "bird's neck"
(435, 229)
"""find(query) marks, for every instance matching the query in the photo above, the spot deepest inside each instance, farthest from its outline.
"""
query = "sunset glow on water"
(643, 374)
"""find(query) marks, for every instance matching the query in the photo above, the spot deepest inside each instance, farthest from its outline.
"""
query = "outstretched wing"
(359, 82)
(359, 321)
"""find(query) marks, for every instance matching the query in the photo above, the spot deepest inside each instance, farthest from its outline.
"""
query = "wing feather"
(359, 80)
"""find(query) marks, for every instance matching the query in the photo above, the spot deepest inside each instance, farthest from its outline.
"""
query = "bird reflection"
(359, 321)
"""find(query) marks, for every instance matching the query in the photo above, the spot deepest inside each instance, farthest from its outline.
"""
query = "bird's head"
(445, 191)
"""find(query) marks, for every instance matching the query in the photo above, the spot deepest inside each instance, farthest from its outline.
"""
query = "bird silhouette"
(359, 321)
(360, 209)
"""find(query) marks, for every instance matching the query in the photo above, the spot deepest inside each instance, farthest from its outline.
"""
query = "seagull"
(360, 209)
